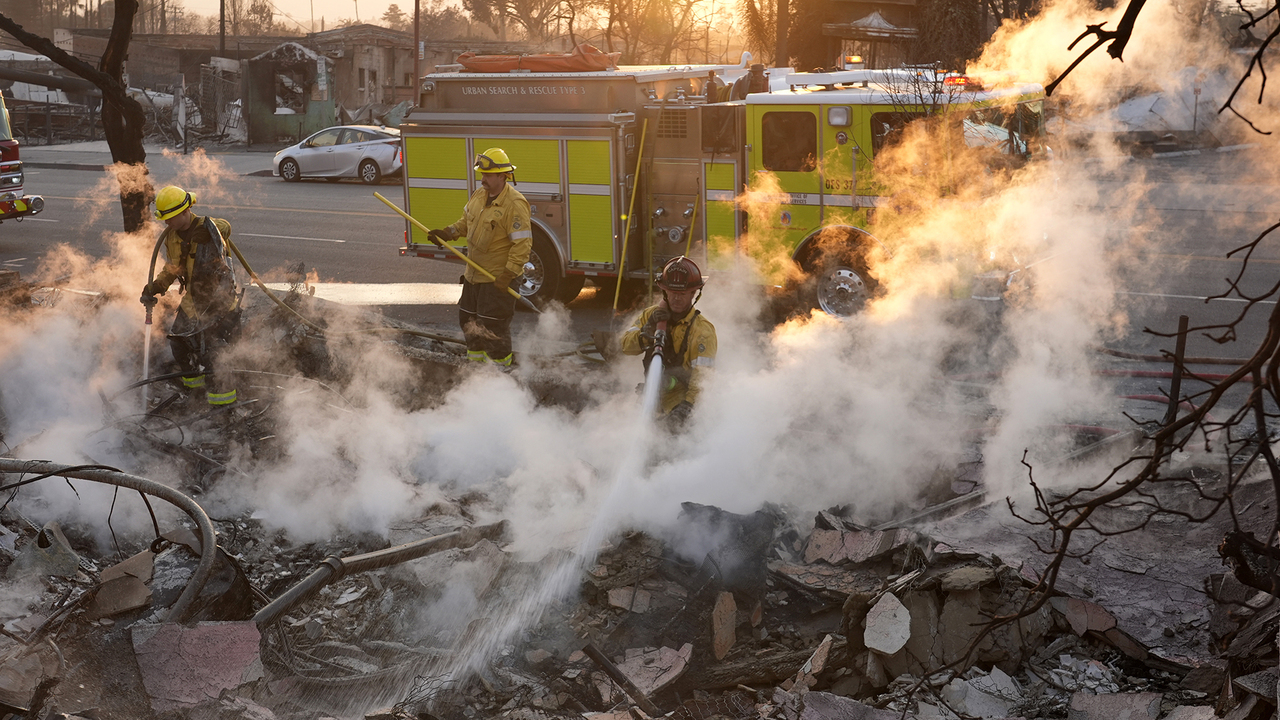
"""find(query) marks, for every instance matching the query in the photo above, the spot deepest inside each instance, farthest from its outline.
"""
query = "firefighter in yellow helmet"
(495, 223)
(688, 340)
(208, 319)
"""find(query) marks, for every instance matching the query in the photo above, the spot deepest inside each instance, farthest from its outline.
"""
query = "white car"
(367, 152)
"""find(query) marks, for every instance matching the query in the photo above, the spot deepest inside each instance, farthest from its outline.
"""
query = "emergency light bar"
(964, 81)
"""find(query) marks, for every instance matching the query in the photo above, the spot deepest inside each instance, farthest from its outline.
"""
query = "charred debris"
(936, 612)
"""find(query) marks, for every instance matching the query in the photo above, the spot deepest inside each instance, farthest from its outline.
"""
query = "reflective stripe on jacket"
(693, 340)
(498, 233)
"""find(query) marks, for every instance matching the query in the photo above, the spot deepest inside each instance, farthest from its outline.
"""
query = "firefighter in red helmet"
(689, 340)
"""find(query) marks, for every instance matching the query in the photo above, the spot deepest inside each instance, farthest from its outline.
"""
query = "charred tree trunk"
(123, 122)
(122, 116)
(781, 55)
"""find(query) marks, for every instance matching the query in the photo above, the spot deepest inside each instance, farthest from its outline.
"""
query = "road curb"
(100, 168)
(63, 166)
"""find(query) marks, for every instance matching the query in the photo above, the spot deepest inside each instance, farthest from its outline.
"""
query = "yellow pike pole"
(626, 235)
(528, 303)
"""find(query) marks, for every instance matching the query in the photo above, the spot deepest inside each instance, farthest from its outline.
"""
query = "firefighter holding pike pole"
(499, 236)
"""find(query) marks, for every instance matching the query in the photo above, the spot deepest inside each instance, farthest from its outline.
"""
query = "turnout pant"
(197, 356)
(485, 312)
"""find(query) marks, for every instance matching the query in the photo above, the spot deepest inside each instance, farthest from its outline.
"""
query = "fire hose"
(110, 476)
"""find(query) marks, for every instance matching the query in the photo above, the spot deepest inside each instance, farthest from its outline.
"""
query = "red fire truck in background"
(14, 202)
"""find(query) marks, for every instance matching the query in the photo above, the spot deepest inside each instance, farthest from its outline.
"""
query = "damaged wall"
(287, 94)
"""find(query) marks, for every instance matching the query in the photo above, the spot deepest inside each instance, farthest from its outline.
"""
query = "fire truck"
(628, 167)
(14, 203)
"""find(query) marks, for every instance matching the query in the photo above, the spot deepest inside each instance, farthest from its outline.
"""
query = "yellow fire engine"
(684, 151)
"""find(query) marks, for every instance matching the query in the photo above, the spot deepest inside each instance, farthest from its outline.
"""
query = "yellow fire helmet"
(494, 160)
(172, 201)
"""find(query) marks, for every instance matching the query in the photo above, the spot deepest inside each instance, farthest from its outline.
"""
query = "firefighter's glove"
(155, 287)
(679, 414)
(659, 314)
(149, 301)
(504, 279)
(439, 236)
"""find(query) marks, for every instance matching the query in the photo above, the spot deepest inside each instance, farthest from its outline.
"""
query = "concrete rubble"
(785, 615)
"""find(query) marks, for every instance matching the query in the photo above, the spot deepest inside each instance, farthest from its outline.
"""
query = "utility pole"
(313, 16)
(222, 28)
(417, 50)
(357, 2)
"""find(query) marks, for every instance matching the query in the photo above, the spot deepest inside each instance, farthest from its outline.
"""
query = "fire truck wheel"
(369, 173)
(542, 276)
(289, 170)
(838, 281)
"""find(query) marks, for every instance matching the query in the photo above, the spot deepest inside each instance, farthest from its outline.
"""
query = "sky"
(301, 10)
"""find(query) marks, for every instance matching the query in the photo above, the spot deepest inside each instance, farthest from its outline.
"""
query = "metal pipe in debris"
(623, 681)
(334, 568)
(208, 538)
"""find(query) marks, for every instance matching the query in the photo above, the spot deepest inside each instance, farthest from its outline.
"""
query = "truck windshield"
(5, 133)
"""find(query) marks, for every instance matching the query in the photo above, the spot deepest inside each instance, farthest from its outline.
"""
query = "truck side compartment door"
(721, 224)
(436, 174)
(591, 206)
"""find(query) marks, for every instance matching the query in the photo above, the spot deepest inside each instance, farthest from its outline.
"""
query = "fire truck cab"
(627, 168)
(14, 203)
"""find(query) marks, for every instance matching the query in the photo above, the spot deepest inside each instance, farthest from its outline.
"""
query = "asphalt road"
(1170, 250)
(338, 230)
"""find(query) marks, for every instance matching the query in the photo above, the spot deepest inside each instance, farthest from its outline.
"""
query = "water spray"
(146, 331)
(473, 650)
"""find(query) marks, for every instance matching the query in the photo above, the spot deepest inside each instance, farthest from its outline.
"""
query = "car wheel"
(289, 170)
(369, 173)
(542, 277)
(838, 280)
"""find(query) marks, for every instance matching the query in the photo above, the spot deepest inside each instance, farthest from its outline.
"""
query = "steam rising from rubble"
(813, 413)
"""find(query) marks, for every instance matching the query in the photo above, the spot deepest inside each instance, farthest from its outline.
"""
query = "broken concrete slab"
(724, 620)
(855, 546)
(826, 706)
(962, 616)
(1114, 706)
(968, 577)
(806, 676)
(989, 696)
(649, 669)
(923, 651)
(1261, 683)
(1083, 615)
(226, 708)
(185, 666)
(888, 625)
(1191, 712)
(630, 598)
(832, 582)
